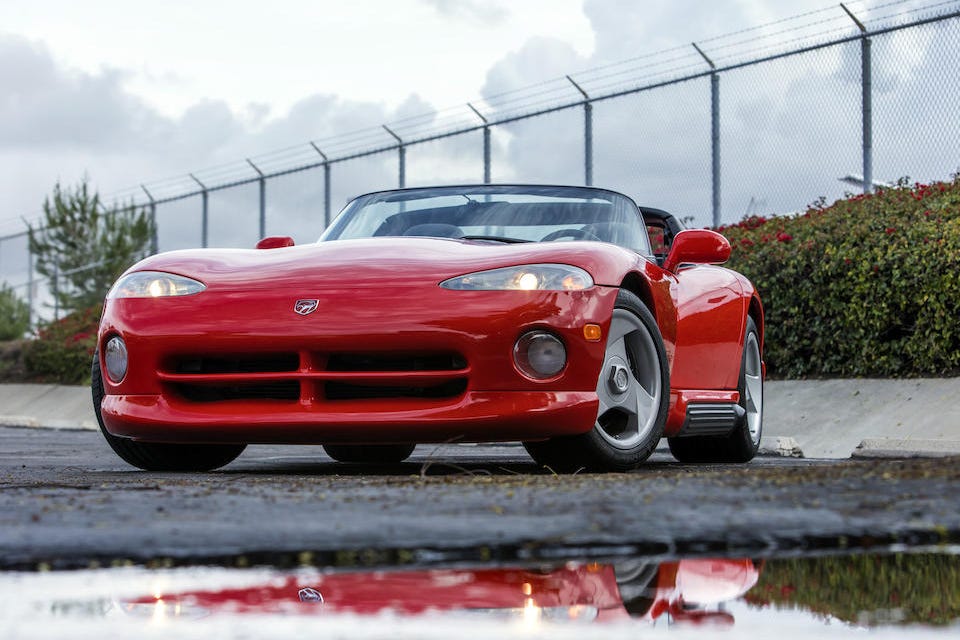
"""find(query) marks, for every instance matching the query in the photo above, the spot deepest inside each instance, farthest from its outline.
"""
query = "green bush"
(869, 286)
(62, 351)
(921, 589)
(14, 314)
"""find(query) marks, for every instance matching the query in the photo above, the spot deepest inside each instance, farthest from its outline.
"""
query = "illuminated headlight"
(540, 355)
(115, 357)
(528, 277)
(154, 284)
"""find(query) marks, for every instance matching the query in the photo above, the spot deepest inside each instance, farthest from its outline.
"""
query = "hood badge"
(306, 307)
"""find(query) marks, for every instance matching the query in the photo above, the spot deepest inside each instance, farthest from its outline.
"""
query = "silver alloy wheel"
(753, 387)
(629, 387)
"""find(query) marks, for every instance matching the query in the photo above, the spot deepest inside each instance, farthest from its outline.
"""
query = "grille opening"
(348, 391)
(286, 390)
(247, 363)
(396, 362)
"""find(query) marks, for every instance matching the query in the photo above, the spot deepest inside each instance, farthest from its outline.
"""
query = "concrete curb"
(893, 448)
(802, 418)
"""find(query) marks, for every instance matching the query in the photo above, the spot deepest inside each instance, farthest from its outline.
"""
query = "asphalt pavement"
(67, 501)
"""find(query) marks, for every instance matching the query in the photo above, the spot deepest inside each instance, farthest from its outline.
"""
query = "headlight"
(154, 284)
(528, 277)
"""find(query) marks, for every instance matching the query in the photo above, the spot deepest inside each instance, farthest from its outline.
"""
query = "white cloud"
(483, 10)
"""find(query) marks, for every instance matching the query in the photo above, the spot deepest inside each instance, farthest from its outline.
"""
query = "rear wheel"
(156, 456)
(742, 443)
(634, 393)
(369, 453)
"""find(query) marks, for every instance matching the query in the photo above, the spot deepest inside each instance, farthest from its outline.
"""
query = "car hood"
(379, 262)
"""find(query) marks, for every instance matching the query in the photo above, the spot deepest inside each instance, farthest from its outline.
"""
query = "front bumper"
(472, 417)
(307, 395)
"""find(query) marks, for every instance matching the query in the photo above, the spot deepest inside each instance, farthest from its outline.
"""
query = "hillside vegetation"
(868, 286)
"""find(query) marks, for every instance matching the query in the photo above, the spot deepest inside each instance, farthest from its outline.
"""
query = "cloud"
(60, 124)
(487, 12)
(46, 106)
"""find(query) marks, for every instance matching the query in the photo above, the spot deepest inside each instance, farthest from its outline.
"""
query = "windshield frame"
(473, 191)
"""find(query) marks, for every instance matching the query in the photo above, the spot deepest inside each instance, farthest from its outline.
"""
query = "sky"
(125, 92)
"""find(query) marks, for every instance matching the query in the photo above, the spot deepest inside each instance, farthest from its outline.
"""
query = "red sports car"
(442, 314)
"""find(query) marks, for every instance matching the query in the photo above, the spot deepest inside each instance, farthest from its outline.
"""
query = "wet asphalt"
(66, 501)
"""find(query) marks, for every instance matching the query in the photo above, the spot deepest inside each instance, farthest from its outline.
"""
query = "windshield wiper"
(504, 239)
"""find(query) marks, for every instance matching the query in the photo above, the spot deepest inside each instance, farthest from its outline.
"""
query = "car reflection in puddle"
(688, 591)
(897, 594)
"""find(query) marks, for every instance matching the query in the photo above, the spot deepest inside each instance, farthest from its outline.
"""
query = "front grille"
(395, 362)
(247, 363)
(284, 390)
(316, 377)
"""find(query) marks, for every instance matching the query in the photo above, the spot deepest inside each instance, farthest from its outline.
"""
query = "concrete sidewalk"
(812, 418)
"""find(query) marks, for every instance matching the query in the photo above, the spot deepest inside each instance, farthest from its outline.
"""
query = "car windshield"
(497, 214)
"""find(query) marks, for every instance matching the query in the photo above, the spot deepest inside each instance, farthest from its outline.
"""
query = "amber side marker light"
(592, 332)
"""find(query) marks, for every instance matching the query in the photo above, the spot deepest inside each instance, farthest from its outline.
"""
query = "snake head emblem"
(306, 307)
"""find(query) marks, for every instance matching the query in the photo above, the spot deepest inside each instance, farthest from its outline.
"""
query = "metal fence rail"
(708, 87)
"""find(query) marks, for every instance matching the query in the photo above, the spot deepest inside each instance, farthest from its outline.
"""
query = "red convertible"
(442, 314)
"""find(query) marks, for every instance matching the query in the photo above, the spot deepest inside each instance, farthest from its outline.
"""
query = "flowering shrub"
(63, 349)
(14, 314)
(868, 286)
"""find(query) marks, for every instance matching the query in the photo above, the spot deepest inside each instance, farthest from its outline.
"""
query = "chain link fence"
(762, 121)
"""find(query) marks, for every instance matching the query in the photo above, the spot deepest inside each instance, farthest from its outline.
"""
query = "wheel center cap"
(619, 379)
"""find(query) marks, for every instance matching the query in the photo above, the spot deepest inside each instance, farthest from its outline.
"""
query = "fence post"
(402, 153)
(714, 136)
(326, 185)
(56, 290)
(29, 286)
(587, 134)
(263, 198)
(866, 101)
(154, 244)
(486, 144)
(205, 220)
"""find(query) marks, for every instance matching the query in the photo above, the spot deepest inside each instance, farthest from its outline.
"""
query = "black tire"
(742, 443)
(637, 584)
(369, 453)
(612, 445)
(155, 456)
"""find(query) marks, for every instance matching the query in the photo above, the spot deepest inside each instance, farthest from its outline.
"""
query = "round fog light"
(539, 354)
(115, 357)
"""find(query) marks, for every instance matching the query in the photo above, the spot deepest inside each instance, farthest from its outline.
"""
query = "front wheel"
(156, 456)
(634, 393)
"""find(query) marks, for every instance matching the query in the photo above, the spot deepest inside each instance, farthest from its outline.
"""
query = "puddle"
(889, 594)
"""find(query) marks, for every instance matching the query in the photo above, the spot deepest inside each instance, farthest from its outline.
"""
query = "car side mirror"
(275, 242)
(697, 246)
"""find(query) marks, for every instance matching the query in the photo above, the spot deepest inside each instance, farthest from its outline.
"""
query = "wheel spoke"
(617, 349)
(606, 401)
(620, 327)
(754, 391)
(644, 402)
